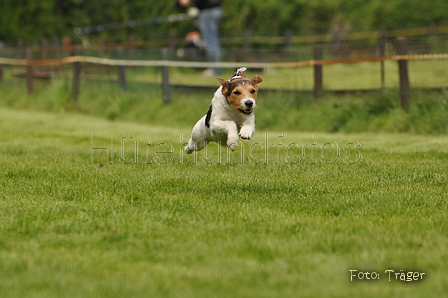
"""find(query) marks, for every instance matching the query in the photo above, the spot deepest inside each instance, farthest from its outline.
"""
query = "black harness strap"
(208, 116)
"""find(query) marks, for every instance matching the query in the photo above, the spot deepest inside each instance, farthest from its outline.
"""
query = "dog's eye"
(253, 91)
(236, 92)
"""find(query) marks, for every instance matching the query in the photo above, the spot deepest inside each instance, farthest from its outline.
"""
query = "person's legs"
(209, 20)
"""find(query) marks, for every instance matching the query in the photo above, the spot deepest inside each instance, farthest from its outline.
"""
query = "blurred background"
(352, 36)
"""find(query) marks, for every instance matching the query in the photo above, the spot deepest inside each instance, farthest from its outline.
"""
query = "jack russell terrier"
(231, 114)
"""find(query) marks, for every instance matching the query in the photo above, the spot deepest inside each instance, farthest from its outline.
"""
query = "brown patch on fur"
(239, 90)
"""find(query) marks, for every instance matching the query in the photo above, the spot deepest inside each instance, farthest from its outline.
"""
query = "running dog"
(231, 114)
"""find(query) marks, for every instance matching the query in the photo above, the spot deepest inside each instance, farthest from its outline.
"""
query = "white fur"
(227, 125)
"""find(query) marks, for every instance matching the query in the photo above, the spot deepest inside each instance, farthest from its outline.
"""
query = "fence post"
(382, 54)
(288, 39)
(317, 72)
(121, 71)
(57, 47)
(44, 48)
(432, 31)
(101, 46)
(57, 53)
(29, 71)
(20, 46)
(247, 41)
(404, 74)
(44, 53)
(76, 76)
(166, 79)
(67, 46)
(1, 66)
(132, 43)
(172, 41)
(433, 35)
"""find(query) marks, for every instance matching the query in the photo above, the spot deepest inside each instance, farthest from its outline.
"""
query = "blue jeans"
(209, 20)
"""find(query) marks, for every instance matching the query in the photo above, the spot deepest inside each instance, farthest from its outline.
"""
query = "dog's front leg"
(247, 129)
(229, 128)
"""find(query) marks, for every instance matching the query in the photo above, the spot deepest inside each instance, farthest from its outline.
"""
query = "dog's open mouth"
(246, 111)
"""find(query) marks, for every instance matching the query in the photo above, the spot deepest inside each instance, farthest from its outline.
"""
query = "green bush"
(34, 20)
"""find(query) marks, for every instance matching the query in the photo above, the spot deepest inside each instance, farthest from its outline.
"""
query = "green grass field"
(280, 218)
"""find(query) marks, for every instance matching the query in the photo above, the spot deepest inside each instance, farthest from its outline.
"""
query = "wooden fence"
(318, 63)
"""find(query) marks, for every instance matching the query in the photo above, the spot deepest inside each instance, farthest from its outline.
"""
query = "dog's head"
(241, 93)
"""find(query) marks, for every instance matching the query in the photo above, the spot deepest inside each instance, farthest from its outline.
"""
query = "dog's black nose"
(249, 103)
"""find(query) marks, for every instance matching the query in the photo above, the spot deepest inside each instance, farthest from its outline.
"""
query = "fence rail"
(165, 64)
(198, 64)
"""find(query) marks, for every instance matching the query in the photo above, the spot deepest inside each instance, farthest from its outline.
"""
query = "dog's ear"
(257, 79)
(224, 84)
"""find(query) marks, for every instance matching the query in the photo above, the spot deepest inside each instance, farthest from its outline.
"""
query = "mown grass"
(80, 222)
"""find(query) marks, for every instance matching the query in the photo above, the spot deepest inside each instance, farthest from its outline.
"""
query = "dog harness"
(208, 116)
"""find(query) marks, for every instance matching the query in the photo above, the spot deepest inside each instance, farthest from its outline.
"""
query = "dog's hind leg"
(194, 146)
(198, 137)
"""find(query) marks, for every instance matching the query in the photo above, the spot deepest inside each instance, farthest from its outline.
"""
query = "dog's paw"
(245, 134)
(232, 146)
(188, 149)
